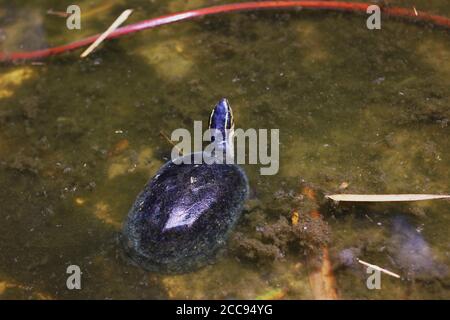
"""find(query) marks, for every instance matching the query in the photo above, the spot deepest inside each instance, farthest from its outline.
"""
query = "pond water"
(358, 111)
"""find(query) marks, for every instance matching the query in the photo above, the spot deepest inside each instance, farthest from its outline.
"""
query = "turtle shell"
(184, 215)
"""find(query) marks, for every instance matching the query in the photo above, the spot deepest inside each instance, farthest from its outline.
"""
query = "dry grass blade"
(375, 267)
(385, 197)
(121, 19)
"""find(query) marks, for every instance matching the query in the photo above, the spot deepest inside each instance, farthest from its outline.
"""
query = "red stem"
(190, 14)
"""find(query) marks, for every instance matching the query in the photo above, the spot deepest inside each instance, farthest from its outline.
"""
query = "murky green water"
(79, 139)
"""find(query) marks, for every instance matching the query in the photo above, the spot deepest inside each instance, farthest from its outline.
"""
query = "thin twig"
(392, 274)
(121, 19)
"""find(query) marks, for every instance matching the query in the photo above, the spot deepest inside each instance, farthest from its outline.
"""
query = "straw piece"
(385, 197)
(392, 274)
(121, 19)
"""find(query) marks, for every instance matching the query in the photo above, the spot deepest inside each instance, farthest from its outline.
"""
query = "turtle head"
(221, 120)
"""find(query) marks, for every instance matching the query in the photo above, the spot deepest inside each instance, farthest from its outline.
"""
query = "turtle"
(186, 212)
